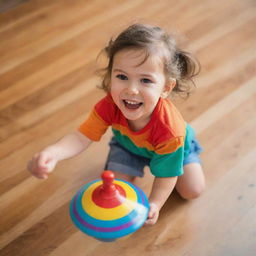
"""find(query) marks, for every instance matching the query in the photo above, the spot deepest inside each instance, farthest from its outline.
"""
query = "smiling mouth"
(132, 104)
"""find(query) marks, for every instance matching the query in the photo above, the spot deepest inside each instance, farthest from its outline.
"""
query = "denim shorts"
(122, 160)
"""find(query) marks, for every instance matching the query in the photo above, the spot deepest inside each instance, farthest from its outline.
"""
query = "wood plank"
(48, 87)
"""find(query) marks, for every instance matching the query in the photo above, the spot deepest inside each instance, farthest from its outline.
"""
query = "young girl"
(144, 67)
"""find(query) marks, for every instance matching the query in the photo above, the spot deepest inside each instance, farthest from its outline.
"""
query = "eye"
(122, 77)
(146, 81)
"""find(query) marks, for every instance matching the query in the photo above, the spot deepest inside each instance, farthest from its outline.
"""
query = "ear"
(170, 84)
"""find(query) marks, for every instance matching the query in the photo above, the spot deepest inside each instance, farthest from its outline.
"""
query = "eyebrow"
(120, 70)
(147, 75)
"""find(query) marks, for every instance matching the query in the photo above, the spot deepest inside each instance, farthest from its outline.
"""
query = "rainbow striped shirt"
(164, 140)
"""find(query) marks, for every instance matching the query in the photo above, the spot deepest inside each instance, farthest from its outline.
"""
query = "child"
(144, 67)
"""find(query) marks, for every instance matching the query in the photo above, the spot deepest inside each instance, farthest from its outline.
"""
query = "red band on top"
(108, 200)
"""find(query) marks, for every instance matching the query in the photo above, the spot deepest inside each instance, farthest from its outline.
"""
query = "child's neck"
(138, 125)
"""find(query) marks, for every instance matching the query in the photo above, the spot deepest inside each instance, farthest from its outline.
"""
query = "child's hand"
(153, 214)
(42, 164)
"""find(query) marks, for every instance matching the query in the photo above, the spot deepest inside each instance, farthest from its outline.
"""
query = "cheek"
(152, 95)
(112, 86)
(114, 89)
(115, 93)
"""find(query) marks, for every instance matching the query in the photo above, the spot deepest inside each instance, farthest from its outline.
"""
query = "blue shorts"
(121, 160)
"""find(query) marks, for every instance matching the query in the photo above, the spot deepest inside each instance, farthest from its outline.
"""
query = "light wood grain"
(48, 86)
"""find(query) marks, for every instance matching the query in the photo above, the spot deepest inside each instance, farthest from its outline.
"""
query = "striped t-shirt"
(164, 140)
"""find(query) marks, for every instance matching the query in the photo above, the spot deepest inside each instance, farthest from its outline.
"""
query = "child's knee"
(192, 193)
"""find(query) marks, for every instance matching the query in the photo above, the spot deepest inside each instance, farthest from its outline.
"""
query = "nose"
(132, 88)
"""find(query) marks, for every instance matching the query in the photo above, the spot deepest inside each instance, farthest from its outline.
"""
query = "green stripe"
(190, 135)
(169, 165)
(126, 142)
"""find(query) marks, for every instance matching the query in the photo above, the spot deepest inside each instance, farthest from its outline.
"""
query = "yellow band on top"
(97, 212)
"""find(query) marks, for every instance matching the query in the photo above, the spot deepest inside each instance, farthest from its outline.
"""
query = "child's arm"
(161, 189)
(70, 145)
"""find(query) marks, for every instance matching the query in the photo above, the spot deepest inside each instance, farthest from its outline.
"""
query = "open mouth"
(132, 104)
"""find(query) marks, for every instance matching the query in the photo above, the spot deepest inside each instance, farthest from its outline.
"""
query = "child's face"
(135, 87)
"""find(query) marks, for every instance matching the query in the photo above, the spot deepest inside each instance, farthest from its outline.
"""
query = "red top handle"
(108, 179)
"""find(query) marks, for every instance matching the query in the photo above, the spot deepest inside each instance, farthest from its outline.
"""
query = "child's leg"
(191, 184)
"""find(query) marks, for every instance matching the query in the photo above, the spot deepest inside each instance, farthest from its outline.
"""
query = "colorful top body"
(164, 140)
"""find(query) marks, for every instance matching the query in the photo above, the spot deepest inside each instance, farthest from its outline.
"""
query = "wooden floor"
(47, 87)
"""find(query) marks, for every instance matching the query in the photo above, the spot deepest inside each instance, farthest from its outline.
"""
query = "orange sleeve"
(94, 127)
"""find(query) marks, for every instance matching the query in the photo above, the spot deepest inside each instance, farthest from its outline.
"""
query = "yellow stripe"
(118, 212)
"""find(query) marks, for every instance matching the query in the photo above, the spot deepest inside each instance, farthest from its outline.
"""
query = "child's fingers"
(151, 221)
(51, 165)
(37, 166)
(42, 161)
(41, 165)
(45, 164)
(152, 215)
(35, 172)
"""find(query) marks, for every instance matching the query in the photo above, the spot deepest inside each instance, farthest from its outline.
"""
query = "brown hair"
(178, 64)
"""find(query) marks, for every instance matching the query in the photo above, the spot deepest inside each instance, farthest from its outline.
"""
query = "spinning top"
(109, 208)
